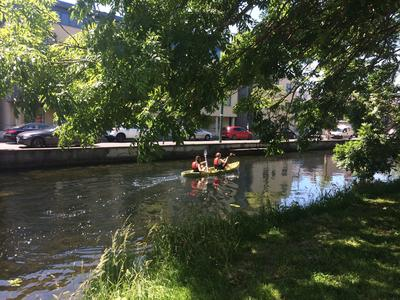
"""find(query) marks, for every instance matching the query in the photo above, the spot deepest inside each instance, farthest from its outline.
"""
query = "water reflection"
(54, 224)
(297, 179)
(211, 195)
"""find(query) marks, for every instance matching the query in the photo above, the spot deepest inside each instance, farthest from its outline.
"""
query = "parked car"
(288, 134)
(342, 131)
(236, 133)
(38, 138)
(10, 134)
(122, 134)
(392, 131)
(202, 134)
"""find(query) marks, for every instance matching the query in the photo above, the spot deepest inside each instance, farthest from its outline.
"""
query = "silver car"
(123, 134)
(342, 132)
(38, 138)
(202, 134)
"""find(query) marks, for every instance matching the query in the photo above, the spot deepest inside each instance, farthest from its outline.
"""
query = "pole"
(205, 158)
(221, 114)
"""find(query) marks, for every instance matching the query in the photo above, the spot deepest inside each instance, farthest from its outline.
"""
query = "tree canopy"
(160, 64)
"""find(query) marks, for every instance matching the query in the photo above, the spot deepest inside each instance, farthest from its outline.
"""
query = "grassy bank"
(345, 246)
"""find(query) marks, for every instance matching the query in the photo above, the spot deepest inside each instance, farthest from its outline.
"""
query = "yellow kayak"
(211, 171)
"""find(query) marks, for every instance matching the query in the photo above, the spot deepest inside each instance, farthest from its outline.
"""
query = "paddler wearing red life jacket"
(197, 164)
(220, 163)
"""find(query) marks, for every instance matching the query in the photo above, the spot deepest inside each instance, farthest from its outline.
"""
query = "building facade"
(63, 29)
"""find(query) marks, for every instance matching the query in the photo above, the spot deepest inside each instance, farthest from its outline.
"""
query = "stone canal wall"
(27, 158)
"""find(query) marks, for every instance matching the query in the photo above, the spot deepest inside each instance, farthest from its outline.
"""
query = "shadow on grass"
(343, 247)
(348, 252)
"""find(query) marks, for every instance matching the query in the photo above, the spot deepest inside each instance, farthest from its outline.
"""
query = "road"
(16, 147)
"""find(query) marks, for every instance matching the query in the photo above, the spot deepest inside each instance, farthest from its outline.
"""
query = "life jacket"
(195, 167)
(216, 162)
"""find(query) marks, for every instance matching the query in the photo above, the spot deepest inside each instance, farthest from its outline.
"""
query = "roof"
(62, 4)
(63, 10)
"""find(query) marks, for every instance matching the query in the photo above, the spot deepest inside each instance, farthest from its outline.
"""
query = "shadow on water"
(54, 224)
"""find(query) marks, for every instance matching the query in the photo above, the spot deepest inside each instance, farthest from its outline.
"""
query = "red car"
(236, 133)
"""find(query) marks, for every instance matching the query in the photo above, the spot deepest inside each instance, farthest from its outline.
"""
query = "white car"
(123, 134)
(392, 131)
(342, 132)
(202, 134)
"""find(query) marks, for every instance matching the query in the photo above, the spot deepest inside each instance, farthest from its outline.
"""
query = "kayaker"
(198, 165)
(220, 163)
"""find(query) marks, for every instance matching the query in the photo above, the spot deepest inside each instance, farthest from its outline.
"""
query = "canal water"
(55, 224)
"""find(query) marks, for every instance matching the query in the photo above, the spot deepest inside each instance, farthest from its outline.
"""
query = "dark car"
(236, 133)
(38, 138)
(10, 134)
(288, 134)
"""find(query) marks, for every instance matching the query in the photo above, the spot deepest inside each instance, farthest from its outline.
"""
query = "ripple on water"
(57, 278)
(148, 182)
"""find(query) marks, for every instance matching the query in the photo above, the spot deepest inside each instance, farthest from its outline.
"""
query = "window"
(288, 87)
(243, 92)
(228, 101)
(64, 18)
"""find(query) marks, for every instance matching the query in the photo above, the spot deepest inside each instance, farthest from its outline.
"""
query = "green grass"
(345, 246)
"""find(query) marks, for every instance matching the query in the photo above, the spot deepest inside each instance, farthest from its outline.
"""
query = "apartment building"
(62, 30)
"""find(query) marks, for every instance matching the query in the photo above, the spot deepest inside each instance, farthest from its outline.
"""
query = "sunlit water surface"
(55, 224)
